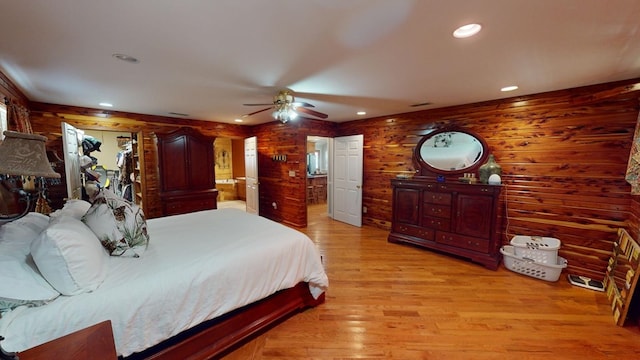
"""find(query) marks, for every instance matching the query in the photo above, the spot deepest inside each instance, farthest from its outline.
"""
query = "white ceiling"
(205, 58)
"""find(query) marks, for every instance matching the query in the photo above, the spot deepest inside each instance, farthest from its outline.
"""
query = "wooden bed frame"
(215, 337)
(211, 339)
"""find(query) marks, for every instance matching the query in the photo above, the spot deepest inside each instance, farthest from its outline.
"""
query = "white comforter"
(197, 266)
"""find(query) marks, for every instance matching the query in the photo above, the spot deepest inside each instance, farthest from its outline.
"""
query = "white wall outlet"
(275, 206)
(292, 173)
(364, 209)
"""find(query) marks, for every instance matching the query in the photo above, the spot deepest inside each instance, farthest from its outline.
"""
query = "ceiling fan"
(286, 108)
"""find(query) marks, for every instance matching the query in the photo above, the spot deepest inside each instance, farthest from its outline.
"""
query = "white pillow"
(75, 208)
(69, 255)
(16, 237)
(22, 284)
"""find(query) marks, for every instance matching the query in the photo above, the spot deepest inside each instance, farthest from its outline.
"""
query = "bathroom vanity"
(435, 211)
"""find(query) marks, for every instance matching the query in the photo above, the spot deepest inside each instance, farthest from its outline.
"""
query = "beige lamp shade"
(25, 154)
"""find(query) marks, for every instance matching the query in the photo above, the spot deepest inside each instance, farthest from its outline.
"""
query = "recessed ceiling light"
(361, 113)
(238, 120)
(106, 104)
(466, 31)
(127, 58)
(509, 88)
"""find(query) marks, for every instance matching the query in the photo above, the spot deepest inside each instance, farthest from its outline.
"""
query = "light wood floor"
(390, 301)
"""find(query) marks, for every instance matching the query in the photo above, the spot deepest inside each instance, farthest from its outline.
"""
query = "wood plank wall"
(9, 91)
(46, 120)
(563, 154)
(276, 184)
(563, 157)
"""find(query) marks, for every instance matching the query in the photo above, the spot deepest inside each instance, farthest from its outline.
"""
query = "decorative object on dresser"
(187, 172)
(455, 218)
(488, 169)
(24, 156)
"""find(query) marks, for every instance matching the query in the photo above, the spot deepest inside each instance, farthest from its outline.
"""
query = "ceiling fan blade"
(312, 112)
(258, 104)
(302, 104)
(256, 112)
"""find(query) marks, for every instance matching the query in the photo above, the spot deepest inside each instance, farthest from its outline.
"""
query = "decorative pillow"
(70, 257)
(120, 225)
(73, 207)
(16, 237)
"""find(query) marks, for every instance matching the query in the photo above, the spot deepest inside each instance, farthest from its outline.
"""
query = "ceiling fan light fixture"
(284, 107)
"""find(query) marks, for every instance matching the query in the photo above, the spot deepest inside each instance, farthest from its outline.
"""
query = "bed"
(205, 282)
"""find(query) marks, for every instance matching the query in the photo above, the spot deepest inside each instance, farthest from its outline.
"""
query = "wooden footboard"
(214, 337)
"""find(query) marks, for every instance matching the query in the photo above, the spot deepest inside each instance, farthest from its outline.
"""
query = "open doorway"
(110, 157)
(318, 184)
(230, 173)
(116, 162)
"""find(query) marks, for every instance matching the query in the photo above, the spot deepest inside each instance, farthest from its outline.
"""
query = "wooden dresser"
(187, 172)
(456, 218)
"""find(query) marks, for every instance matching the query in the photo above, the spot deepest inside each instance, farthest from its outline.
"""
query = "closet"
(117, 160)
(130, 165)
(187, 172)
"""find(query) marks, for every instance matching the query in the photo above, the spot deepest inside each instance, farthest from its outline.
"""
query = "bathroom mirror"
(450, 151)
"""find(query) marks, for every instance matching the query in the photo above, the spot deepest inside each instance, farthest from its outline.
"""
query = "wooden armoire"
(187, 172)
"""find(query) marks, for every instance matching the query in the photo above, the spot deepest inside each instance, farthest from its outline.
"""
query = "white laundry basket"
(538, 248)
(530, 267)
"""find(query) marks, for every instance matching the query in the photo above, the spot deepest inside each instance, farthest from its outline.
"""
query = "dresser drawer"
(441, 211)
(182, 206)
(465, 242)
(436, 198)
(437, 223)
(420, 232)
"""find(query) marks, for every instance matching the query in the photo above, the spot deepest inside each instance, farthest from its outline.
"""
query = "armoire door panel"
(173, 164)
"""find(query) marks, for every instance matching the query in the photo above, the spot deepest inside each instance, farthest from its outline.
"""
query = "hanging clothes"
(90, 144)
(125, 164)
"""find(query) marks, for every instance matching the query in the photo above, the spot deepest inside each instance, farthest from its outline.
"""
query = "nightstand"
(95, 342)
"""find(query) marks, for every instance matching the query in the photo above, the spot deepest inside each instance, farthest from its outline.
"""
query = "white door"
(251, 173)
(347, 179)
(70, 140)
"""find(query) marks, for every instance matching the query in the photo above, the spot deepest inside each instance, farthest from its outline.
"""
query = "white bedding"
(197, 266)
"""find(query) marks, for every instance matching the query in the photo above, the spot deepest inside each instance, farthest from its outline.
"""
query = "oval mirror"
(451, 151)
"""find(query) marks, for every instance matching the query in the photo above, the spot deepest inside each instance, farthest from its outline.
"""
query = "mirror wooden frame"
(423, 168)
